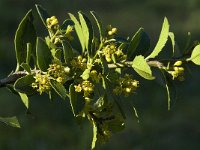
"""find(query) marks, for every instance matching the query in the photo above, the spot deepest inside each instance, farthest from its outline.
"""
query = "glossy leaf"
(162, 39)
(94, 140)
(59, 88)
(43, 54)
(25, 34)
(139, 44)
(24, 99)
(170, 89)
(65, 24)
(77, 100)
(99, 24)
(171, 35)
(42, 13)
(142, 68)
(195, 56)
(67, 51)
(56, 53)
(23, 84)
(87, 31)
(11, 121)
(143, 45)
(26, 67)
(29, 51)
(78, 30)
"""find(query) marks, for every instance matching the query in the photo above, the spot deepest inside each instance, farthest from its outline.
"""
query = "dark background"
(52, 126)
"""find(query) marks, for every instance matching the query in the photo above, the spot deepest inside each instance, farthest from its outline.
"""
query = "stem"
(16, 75)
(12, 78)
(153, 63)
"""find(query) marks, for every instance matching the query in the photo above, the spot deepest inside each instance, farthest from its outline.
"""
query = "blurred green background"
(52, 126)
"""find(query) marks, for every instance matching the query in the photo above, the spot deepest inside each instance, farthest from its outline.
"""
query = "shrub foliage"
(92, 67)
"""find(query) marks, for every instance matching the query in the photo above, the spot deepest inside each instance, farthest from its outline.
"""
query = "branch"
(153, 63)
(16, 75)
(12, 78)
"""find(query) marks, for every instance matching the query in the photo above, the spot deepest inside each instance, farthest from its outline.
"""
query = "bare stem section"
(12, 78)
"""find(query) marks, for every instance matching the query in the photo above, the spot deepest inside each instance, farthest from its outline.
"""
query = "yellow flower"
(78, 88)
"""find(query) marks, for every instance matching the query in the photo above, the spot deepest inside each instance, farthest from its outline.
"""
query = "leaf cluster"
(97, 74)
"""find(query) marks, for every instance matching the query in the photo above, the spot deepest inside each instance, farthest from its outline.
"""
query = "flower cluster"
(52, 22)
(110, 50)
(79, 63)
(112, 31)
(86, 86)
(58, 72)
(68, 32)
(126, 85)
(177, 70)
(42, 83)
(95, 76)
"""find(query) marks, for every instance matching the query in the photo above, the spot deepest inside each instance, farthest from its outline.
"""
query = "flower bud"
(54, 22)
(178, 63)
(176, 68)
(59, 79)
(53, 18)
(79, 58)
(110, 33)
(128, 90)
(180, 69)
(114, 30)
(67, 70)
(135, 83)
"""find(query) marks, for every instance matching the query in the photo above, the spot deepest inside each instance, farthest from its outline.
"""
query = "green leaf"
(87, 31)
(94, 135)
(50, 44)
(195, 56)
(59, 89)
(42, 13)
(143, 45)
(99, 24)
(11, 121)
(104, 64)
(43, 54)
(29, 50)
(67, 51)
(23, 85)
(139, 44)
(117, 100)
(162, 39)
(117, 124)
(56, 53)
(86, 74)
(65, 24)
(24, 99)
(79, 31)
(142, 68)
(188, 42)
(171, 35)
(171, 90)
(26, 67)
(77, 100)
(25, 34)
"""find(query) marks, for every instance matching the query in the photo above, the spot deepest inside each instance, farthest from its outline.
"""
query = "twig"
(16, 75)
(153, 63)
(12, 78)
